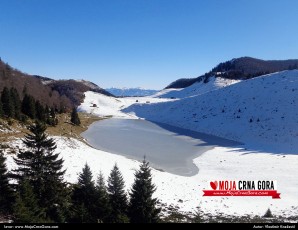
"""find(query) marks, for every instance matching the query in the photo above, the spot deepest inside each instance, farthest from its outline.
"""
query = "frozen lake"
(167, 148)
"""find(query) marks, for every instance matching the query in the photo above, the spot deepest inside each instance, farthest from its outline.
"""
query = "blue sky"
(147, 43)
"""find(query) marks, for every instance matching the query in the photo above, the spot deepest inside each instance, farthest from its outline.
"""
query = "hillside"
(131, 92)
(74, 90)
(102, 105)
(54, 93)
(239, 69)
(267, 123)
(25, 83)
(261, 112)
(197, 88)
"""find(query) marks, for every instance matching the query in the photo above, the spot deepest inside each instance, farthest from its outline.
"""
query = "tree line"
(39, 193)
(12, 106)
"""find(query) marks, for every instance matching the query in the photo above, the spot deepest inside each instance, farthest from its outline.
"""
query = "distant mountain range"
(131, 92)
(239, 69)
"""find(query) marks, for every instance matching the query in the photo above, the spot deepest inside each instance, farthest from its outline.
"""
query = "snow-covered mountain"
(242, 68)
(131, 92)
(197, 88)
(262, 111)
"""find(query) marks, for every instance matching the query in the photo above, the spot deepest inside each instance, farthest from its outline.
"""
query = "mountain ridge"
(131, 92)
(239, 69)
(59, 94)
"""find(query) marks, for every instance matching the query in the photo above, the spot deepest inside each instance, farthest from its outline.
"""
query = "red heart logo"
(213, 185)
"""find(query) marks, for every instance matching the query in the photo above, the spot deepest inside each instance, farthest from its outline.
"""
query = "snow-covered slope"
(102, 105)
(186, 192)
(131, 92)
(262, 112)
(197, 88)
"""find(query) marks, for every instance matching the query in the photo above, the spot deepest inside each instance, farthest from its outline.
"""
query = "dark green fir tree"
(75, 117)
(43, 169)
(28, 106)
(40, 112)
(1, 109)
(16, 101)
(84, 198)
(7, 103)
(6, 192)
(103, 207)
(26, 208)
(142, 207)
(117, 197)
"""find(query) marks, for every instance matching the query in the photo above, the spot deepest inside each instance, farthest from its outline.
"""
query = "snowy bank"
(186, 192)
(102, 105)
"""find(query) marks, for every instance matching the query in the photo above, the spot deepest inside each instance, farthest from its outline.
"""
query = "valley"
(277, 146)
(262, 141)
(161, 111)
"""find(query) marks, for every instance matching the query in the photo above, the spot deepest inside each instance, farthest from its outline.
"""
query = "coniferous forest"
(13, 107)
(35, 192)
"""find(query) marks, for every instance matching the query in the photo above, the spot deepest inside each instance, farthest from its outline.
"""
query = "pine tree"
(75, 117)
(7, 103)
(26, 209)
(43, 169)
(142, 207)
(198, 216)
(6, 192)
(103, 208)
(16, 101)
(40, 111)
(79, 213)
(268, 214)
(84, 198)
(1, 109)
(117, 197)
(28, 106)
